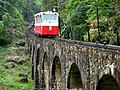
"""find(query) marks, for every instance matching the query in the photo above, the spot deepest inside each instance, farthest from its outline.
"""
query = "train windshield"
(50, 18)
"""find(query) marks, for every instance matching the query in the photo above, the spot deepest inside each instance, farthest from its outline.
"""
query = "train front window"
(50, 18)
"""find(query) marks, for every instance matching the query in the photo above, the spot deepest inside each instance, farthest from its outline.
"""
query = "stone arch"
(30, 47)
(45, 72)
(107, 82)
(109, 69)
(74, 78)
(37, 69)
(56, 74)
(32, 61)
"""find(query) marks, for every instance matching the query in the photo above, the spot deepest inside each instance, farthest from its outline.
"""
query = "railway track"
(97, 45)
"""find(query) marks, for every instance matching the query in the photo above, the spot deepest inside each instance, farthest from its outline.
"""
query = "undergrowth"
(9, 78)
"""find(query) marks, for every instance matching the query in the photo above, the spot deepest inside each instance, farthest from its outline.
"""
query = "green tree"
(108, 11)
(76, 13)
(14, 15)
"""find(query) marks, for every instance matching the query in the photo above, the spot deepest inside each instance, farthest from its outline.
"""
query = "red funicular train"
(46, 24)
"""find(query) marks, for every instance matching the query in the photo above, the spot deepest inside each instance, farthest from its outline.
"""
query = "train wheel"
(38, 35)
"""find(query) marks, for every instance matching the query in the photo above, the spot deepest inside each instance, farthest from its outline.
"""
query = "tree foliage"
(14, 15)
(80, 19)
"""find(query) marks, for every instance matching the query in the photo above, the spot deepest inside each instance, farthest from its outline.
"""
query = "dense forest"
(88, 20)
(15, 15)
(84, 20)
(93, 20)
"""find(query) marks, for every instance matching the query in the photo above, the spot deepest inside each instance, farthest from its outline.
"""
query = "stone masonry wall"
(93, 61)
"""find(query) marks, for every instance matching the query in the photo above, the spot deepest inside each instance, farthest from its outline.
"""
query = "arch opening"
(74, 79)
(37, 70)
(107, 82)
(56, 74)
(45, 73)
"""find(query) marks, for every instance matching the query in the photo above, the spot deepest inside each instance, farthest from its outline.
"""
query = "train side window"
(40, 19)
(36, 19)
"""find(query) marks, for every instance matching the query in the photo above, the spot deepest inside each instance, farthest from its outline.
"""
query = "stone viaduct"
(59, 64)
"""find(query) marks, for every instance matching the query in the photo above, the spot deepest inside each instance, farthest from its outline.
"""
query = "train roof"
(48, 12)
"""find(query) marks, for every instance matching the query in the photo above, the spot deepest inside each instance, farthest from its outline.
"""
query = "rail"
(29, 32)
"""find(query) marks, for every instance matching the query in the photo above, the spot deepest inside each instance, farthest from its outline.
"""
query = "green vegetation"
(83, 14)
(14, 16)
(9, 77)
(80, 19)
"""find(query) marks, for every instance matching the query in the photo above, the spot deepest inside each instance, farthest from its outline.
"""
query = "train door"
(40, 25)
(37, 25)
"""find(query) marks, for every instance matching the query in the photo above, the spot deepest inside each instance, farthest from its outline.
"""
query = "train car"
(46, 24)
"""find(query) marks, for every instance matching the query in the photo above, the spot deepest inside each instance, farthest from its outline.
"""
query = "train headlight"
(50, 28)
